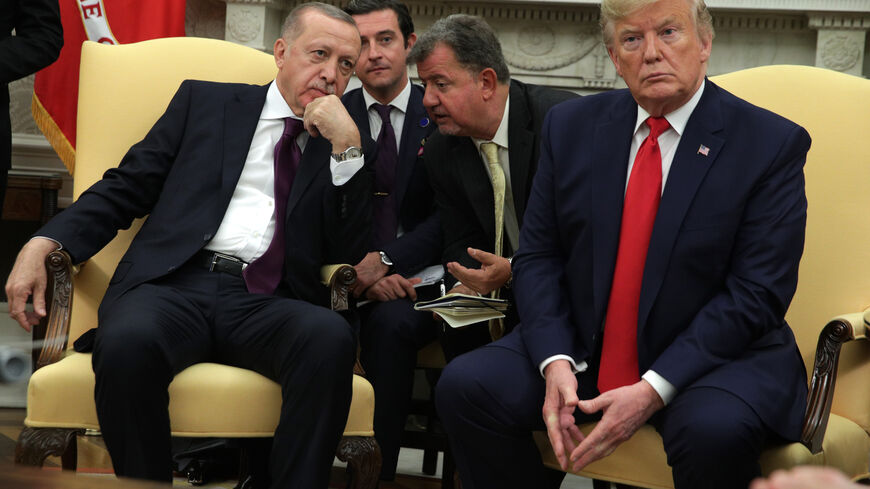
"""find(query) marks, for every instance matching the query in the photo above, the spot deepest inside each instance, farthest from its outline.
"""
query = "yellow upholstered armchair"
(834, 279)
(123, 90)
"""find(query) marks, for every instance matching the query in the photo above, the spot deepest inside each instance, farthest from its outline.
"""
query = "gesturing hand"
(493, 273)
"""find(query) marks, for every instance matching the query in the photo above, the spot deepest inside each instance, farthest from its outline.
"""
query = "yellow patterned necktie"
(496, 176)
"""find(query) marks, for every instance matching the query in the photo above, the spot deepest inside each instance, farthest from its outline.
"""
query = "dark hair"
(472, 40)
(406, 24)
(292, 27)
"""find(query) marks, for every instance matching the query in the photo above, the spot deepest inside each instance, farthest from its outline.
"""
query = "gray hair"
(293, 26)
(613, 11)
(472, 40)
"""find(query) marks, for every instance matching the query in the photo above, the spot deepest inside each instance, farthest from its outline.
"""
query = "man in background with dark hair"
(36, 44)
(406, 234)
(482, 160)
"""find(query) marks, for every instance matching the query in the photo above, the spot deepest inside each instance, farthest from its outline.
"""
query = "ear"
(279, 50)
(409, 42)
(487, 81)
(615, 60)
(706, 47)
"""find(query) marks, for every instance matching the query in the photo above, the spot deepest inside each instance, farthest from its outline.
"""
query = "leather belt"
(219, 262)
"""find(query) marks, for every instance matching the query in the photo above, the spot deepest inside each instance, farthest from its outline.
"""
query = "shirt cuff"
(665, 389)
(345, 170)
(575, 367)
(58, 243)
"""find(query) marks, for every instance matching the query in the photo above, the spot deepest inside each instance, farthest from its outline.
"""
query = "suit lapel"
(240, 121)
(687, 172)
(356, 107)
(610, 150)
(413, 133)
(521, 142)
(315, 159)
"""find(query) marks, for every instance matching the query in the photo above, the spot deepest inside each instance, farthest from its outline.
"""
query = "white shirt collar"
(400, 102)
(276, 107)
(678, 118)
(501, 134)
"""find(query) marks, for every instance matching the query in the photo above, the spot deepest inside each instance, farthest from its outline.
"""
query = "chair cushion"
(239, 403)
(641, 460)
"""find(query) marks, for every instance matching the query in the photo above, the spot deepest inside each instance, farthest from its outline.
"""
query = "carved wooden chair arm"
(838, 331)
(339, 279)
(53, 331)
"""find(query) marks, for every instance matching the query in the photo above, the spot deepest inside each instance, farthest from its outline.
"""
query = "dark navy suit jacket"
(420, 244)
(723, 259)
(183, 173)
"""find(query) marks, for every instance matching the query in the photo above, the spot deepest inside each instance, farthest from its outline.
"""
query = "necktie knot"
(292, 127)
(490, 149)
(384, 112)
(657, 125)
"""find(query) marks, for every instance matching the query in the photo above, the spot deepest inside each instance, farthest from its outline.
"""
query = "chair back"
(123, 90)
(834, 276)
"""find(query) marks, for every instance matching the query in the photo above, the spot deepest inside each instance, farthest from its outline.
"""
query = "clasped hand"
(625, 410)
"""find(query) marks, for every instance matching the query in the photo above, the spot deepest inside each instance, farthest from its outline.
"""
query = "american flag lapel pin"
(703, 150)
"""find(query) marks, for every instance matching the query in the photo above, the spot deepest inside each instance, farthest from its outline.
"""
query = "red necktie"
(618, 365)
(263, 274)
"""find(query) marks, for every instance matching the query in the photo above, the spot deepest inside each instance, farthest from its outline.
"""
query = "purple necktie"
(385, 180)
(263, 274)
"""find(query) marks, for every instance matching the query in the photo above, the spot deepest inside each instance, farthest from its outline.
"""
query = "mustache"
(328, 88)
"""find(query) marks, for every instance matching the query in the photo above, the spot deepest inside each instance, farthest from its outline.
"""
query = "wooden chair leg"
(36, 444)
(363, 457)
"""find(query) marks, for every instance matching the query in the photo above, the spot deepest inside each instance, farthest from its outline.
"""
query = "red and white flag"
(55, 89)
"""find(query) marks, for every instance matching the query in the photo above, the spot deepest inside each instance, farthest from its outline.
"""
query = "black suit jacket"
(420, 245)
(463, 191)
(35, 45)
(183, 173)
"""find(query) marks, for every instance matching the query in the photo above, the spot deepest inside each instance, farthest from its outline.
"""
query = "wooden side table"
(31, 196)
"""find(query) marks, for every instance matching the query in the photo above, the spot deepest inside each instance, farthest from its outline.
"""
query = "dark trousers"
(490, 401)
(156, 330)
(390, 335)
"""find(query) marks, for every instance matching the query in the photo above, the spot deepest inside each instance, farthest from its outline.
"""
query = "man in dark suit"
(653, 287)
(245, 204)
(35, 45)
(406, 232)
(470, 95)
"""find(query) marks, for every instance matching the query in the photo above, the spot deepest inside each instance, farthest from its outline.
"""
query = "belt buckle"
(220, 256)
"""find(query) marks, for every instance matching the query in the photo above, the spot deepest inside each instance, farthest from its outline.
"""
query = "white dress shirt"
(668, 142)
(397, 117)
(249, 222)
